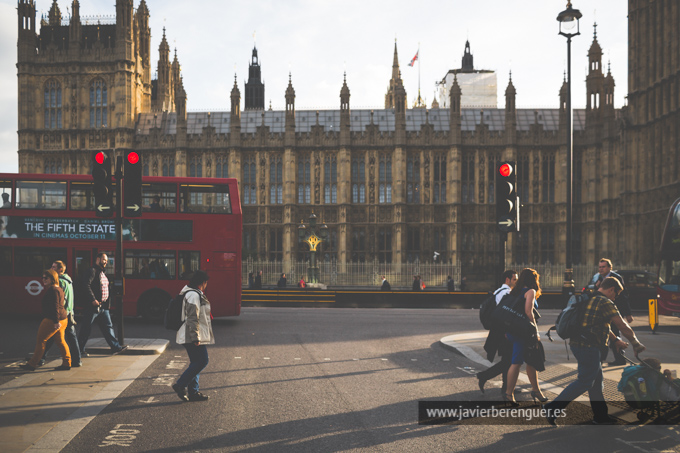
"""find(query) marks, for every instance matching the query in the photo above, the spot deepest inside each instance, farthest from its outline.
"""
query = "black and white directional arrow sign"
(134, 207)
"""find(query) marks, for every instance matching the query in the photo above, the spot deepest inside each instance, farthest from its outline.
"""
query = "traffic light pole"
(118, 276)
(503, 237)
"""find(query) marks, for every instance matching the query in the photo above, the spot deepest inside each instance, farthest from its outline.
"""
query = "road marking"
(447, 360)
(467, 369)
(121, 437)
(297, 358)
(164, 379)
(237, 357)
(176, 365)
(631, 443)
(150, 400)
(326, 358)
(414, 360)
(265, 358)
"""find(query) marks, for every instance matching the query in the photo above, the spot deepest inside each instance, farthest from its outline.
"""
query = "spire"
(396, 73)
(254, 87)
(235, 99)
(344, 93)
(467, 64)
(54, 15)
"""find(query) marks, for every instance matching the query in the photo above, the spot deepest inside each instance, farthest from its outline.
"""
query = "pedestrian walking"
(496, 341)
(251, 280)
(301, 283)
(258, 280)
(604, 270)
(385, 285)
(588, 348)
(95, 294)
(417, 285)
(528, 289)
(450, 285)
(54, 323)
(281, 284)
(66, 284)
(194, 334)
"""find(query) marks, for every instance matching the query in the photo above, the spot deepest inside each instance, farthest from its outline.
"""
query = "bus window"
(41, 194)
(32, 261)
(159, 197)
(153, 264)
(6, 191)
(5, 260)
(205, 199)
(188, 263)
(82, 196)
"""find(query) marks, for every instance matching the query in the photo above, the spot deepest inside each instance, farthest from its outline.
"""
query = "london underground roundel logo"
(34, 287)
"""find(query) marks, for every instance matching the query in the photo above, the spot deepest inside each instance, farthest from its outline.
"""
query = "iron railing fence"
(369, 274)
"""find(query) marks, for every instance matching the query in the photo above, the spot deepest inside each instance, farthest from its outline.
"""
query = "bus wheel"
(152, 305)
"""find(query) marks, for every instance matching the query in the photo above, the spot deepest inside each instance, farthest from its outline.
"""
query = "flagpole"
(418, 72)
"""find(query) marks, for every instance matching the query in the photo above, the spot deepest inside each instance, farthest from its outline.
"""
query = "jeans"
(589, 379)
(103, 318)
(45, 332)
(198, 360)
(71, 341)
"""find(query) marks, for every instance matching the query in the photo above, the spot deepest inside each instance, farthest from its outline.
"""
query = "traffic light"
(103, 189)
(132, 177)
(507, 201)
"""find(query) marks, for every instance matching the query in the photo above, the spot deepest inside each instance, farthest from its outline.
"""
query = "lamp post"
(569, 27)
(313, 236)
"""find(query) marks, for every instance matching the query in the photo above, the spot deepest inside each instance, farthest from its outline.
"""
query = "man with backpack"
(604, 270)
(496, 342)
(588, 347)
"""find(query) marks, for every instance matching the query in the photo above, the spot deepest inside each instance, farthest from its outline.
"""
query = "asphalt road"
(296, 379)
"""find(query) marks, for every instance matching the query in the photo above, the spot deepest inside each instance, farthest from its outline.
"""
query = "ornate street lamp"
(569, 27)
(313, 237)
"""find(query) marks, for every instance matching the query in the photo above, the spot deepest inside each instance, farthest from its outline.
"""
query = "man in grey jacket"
(194, 334)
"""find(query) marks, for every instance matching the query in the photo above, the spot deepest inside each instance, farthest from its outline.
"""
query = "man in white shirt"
(496, 341)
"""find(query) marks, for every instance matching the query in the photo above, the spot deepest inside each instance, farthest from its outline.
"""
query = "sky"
(316, 41)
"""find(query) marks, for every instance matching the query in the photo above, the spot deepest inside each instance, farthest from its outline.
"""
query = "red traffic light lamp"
(100, 157)
(505, 170)
(133, 157)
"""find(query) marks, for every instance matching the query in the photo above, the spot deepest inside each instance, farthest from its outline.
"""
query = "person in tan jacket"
(196, 332)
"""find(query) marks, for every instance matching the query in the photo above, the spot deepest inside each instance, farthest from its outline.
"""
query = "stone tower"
(254, 85)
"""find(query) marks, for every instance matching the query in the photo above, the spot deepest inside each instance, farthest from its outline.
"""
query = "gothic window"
(547, 246)
(522, 247)
(249, 192)
(330, 246)
(439, 243)
(331, 180)
(98, 104)
(468, 179)
(53, 105)
(249, 246)
(196, 167)
(468, 239)
(385, 245)
(440, 178)
(494, 164)
(523, 180)
(549, 178)
(358, 245)
(578, 180)
(168, 166)
(275, 180)
(276, 244)
(412, 180)
(385, 190)
(304, 181)
(358, 180)
(222, 167)
(53, 167)
(145, 168)
(413, 244)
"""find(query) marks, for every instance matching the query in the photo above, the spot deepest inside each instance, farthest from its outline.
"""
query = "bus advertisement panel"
(187, 224)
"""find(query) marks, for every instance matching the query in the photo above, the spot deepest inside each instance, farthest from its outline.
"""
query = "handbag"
(509, 317)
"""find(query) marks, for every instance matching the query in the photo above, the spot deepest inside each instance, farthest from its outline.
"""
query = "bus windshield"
(669, 268)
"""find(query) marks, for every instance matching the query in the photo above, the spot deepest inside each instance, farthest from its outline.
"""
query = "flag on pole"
(413, 61)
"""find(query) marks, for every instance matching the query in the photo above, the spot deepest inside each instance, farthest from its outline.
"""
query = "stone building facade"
(392, 184)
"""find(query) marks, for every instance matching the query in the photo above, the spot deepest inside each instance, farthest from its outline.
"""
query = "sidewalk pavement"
(45, 409)
(561, 366)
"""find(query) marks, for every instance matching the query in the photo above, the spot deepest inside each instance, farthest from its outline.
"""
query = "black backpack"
(487, 308)
(569, 322)
(173, 314)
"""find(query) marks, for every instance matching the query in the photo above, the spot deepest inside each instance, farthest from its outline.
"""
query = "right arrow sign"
(505, 224)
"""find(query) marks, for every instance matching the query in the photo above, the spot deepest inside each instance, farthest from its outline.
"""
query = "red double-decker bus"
(187, 224)
(668, 287)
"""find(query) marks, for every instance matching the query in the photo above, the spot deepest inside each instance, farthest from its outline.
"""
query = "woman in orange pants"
(54, 323)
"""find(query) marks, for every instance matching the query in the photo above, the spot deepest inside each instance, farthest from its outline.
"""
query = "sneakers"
(606, 421)
(27, 367)
(77, 364)
(181, 392)
(118, 351)
(63, 368)
(198, 396)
